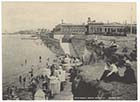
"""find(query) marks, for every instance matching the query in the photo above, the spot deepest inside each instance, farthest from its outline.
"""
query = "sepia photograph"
(69, 51)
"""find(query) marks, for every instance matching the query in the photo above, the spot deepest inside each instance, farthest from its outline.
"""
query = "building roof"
(70, 24)
(107, 24)
(114, 24)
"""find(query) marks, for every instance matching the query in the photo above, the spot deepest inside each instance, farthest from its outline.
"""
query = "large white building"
(72, 29)
(93, 27)
(106, 29)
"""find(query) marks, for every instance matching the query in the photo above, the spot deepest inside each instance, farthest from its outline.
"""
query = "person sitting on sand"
(113, 43)
(133, 55)
(114, 46)
(67, 59)
(129, 75)
(122, 68)
(125, 50)
(110, 73)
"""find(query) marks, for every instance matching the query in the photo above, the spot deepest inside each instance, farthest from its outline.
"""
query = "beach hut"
(61, 74)
(39, 95)
(62, 77)
(54, 85)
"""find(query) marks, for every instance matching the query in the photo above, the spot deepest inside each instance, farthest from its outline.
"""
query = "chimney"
(89, 19)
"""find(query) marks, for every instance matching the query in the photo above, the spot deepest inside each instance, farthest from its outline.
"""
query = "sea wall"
(78, 44)
(53, 45)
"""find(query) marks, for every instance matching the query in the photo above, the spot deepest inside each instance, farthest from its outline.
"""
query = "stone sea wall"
(53, 45)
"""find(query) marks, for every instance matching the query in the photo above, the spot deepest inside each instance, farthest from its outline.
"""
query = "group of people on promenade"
(52, 79)
(46, 81)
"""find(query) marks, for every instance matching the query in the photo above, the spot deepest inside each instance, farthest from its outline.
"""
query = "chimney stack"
(89, 20)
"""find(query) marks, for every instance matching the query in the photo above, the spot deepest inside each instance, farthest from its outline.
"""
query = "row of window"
(92, 29)
(74, 30)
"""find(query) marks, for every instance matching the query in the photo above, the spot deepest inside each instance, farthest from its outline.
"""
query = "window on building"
(108, 29)
(91, 29)
(105, 30)
(97, 29)
(100, 29)
(111, 29)
(118, 30)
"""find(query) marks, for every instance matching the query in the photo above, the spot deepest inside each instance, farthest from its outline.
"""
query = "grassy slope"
(92, 72)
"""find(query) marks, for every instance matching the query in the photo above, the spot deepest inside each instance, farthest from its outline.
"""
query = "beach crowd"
(44, 82)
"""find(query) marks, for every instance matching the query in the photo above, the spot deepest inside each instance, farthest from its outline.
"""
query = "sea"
(19, 53)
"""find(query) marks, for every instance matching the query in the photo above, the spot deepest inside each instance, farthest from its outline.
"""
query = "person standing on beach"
(25, 61)
(40, 62)
(9, 92)
(32, 71)
(40, 59)
(20, 80)
(24, 82)
(13, 92)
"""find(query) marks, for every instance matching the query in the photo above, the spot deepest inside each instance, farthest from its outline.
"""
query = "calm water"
(14, 52)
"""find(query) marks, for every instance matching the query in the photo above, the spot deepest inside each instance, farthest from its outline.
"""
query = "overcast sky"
(29, 15)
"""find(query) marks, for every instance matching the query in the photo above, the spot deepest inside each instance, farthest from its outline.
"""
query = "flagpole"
(131, 20)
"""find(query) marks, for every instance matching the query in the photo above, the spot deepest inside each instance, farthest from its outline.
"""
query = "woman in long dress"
(110, 73)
